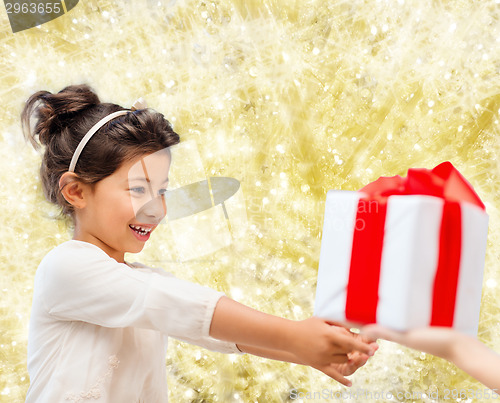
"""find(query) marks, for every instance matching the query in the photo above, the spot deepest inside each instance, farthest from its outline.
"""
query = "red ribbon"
(445, 182)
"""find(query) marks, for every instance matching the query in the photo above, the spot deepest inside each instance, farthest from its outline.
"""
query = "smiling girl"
(99, 324)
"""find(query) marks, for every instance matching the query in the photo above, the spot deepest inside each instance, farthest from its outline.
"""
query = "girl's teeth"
(140, 230)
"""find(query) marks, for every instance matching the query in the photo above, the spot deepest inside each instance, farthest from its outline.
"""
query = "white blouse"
(98, 328)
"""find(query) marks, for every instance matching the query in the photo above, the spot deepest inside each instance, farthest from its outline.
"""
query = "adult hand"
(438, 341)
(466, 352)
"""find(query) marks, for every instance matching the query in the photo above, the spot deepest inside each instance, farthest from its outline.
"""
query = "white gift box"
(408, 264)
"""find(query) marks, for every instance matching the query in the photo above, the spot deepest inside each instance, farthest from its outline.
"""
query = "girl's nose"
(153, 211)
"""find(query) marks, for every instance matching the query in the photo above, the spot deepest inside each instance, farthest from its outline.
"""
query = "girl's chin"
(136, 248)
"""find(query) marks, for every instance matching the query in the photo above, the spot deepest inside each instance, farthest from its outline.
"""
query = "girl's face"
(124, 208)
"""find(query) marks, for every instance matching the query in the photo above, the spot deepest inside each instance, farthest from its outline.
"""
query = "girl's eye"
(161, 192)
(138, 190)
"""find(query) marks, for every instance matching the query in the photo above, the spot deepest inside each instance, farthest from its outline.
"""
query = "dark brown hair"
(63, 119)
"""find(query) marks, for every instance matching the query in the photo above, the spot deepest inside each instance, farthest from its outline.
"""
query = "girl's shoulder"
(74, 250)
(84, 254)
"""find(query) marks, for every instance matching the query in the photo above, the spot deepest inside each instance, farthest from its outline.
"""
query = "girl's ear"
(73, 189)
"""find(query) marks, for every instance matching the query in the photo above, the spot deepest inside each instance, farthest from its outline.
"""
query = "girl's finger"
(338, 324)
(338, 359)
(358, 359)
(333, 373)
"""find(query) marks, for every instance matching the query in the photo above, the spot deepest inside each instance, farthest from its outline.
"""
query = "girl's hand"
(331, 349)
(356, 360)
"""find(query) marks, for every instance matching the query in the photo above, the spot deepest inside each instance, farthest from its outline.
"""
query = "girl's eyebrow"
(142, 178)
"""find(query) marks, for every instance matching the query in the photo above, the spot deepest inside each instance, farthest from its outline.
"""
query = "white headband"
(139, 104)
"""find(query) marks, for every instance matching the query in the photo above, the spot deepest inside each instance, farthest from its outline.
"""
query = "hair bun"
(53, 112)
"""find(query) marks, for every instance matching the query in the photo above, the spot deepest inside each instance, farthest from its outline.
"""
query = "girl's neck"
(86, 237)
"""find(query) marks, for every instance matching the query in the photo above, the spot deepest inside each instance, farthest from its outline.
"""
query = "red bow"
(443, 181)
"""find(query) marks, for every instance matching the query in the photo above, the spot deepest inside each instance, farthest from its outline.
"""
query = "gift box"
(404, 252)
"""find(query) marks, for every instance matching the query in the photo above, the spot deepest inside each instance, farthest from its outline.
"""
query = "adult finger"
(366, 338)
(350, 342)
(380, 332)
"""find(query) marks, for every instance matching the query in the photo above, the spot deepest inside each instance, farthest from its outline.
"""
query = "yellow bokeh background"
(292, 98)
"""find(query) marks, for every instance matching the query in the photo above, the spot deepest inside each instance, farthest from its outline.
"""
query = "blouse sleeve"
(80, 282)
(206, 340)
(213, 344)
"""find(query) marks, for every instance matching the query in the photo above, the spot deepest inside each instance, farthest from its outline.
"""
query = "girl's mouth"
(142, 233)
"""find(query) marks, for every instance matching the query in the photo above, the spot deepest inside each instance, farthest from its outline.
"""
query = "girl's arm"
(466, 352)
(312, 342)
